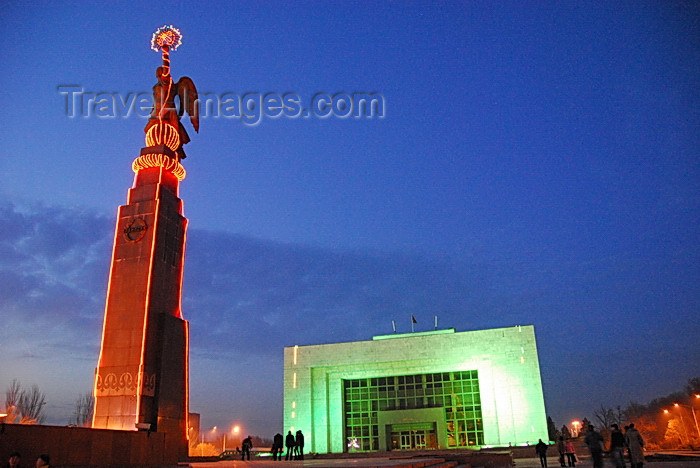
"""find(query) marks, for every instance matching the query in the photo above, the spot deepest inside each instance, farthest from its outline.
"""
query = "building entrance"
(411, 440)
(419, 436)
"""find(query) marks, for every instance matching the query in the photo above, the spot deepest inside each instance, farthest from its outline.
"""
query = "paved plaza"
(414, 462)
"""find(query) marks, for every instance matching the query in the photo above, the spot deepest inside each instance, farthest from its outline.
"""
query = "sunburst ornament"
(166, 38)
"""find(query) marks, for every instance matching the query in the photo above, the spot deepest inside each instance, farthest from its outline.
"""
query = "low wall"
(83, 447)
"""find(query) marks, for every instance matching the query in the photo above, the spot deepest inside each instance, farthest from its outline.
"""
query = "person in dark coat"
(594, 441)
(617, 446)
(277, 446)
(289, 443)
(541, 451)
(299, 446)
(245, 447)
(635, 443)
(561, 449)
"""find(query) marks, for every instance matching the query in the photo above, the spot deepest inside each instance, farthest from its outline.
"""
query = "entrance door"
(409, 440)
(411, 436)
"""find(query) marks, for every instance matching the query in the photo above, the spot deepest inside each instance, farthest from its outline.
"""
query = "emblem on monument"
(135, 229)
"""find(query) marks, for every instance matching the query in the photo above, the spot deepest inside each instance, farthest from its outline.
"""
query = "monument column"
(141, 379)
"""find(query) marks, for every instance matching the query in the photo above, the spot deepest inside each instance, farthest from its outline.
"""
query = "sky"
(535, 163)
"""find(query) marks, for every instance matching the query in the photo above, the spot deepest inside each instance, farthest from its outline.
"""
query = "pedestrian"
(635, 443)
(299, 445)
(594, 441)
(14, 460)
(561, 450)
(43, 461)
(617, 446)
(277, 446)
(246, 446)
(570, 453)
(541, 451)
(289, 443)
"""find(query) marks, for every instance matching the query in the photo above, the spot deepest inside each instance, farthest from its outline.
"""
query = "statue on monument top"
(164, 126)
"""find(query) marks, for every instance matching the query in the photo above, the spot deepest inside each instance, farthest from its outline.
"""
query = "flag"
(413, 319)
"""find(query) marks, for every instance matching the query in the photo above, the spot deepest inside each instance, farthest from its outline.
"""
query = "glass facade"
(456, 392)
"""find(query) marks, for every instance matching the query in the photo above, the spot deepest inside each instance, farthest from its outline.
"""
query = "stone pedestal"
(142, 374)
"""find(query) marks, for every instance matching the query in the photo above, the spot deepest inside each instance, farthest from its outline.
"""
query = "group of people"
(565, 448)
(631, 440)
(15, 461)
(294, 445)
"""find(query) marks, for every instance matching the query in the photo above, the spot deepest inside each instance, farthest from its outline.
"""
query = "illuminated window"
(456, 392)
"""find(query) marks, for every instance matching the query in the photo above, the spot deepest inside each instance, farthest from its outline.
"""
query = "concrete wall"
(512, 401)
(82, 447)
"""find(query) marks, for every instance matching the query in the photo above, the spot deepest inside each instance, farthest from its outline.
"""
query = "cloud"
(238, 290)
(49, 264)
(253, 292)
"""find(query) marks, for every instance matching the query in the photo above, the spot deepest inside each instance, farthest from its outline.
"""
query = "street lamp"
(201, 438)
(692, 411)
(685, 429)
(576, 424)
(234, 430)
(213, 433)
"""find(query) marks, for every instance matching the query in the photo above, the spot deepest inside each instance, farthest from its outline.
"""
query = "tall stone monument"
(141, 380)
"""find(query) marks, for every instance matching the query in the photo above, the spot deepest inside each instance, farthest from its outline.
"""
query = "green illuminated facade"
(438, 389)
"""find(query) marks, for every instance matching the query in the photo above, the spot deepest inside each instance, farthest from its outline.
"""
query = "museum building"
(437, 389)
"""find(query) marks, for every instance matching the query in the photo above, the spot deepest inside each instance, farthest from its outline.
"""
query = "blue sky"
(537, 163)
